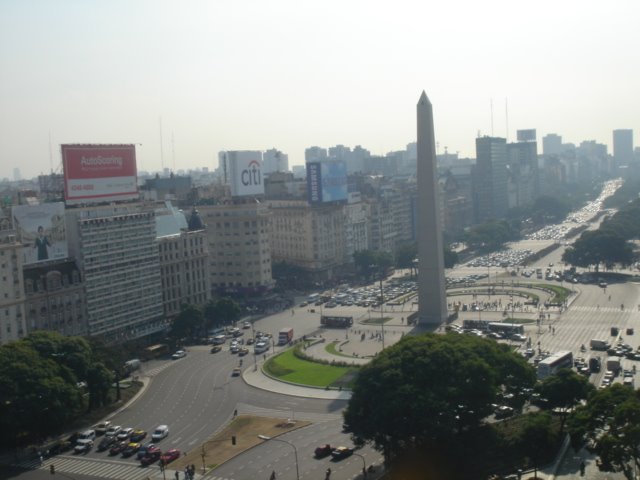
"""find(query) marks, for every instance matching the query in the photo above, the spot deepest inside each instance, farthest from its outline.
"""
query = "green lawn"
(331, 348)
(286, 366)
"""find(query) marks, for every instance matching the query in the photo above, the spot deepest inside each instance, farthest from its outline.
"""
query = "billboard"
(528, 135)
(99, 173)
(245, 173)
(327, 181)
(41, 230)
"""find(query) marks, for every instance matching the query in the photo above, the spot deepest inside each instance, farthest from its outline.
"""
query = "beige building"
(238, 233)
(55, 298)
(312, 237)
(12, 313)
(184, 264)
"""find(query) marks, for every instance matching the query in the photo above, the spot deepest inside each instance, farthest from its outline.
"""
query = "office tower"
(274, 161)
(431, 284)
(622, 148)
(314, 154)
(490, 179)
(551, 144)
(522, 158)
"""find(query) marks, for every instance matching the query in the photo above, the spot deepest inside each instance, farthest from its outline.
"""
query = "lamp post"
(295, 450)
(381, 310)
(364, 465)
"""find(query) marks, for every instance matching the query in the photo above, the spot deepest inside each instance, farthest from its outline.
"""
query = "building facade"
(490, 179)
(12, 298)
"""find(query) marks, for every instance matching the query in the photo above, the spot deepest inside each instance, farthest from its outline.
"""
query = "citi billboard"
(245, 173)
(99, 173)
(327, 181)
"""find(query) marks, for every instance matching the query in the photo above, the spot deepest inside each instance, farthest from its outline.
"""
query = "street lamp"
(364, 465)
(295, 450)
(381, 309)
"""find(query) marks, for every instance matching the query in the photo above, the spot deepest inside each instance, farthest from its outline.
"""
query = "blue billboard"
(327, 181)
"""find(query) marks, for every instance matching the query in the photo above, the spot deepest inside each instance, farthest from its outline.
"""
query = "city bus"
(506, 329)
(557, 361)
(155, 351)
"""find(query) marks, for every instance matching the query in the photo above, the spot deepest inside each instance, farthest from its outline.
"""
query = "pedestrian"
(41, 459)
(193, 471)
(273, 475)
(328, 475)
(177, 475)
(186, 472)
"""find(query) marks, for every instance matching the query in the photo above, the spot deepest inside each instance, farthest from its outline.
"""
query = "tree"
(610, 421)
(187, 323)
(427, 389)
(228, 311)
(370, 262)
(563, 391)
(99, 381)
(597, 247)
(491, 235)
(405, 255)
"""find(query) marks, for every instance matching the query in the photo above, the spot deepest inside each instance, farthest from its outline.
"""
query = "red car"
(152, 455)
(170, 455)
(118, 448)
(323, 451)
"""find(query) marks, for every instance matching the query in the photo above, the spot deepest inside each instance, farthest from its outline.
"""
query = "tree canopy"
(491, 235)
(610, 422)
(599, 247)
(429, 388)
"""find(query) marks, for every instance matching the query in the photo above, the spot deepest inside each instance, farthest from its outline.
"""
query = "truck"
(613, 364)
(336, 322)
(285, 336)
(596, 344)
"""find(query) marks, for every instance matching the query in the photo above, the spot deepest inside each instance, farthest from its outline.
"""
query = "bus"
(557, 361)
(155, 351)
(285, 336)
(470, 324)
(507, 329)
(219, 339)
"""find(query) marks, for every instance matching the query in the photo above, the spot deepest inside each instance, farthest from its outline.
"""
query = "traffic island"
(237, 437)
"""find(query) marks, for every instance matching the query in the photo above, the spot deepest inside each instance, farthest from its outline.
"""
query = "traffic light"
(233, 440)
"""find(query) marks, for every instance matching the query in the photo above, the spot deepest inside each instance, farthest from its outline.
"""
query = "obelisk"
(432, 298)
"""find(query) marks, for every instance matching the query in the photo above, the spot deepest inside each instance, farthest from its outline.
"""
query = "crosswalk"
(598, 309)
(108, 469)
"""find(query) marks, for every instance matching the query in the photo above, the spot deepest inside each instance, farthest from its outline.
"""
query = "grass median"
(290, 368)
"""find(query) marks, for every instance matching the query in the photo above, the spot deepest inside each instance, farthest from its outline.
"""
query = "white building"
(12, 297)
(274, 161)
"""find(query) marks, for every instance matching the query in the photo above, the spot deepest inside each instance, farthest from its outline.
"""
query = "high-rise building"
(490, 179)
(12, 298)
(522, 159)
(117, 252)
(314, 154)
(274, 161)
(551, 144)
(622, 148)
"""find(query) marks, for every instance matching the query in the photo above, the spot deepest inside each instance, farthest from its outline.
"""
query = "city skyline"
(252, 76)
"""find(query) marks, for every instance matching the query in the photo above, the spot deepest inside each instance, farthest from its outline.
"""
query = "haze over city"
(284, 74)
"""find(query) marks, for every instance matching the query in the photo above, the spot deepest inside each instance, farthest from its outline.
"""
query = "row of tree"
(611, 243)
(47, 380)
(194, 321)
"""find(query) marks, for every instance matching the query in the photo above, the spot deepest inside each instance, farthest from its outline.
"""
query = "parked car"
(341, 452)
(179, 354)
(143, 449)
(170, 455)
(87, 435)
(216, 349)
(322, 451)
(243, 351)
(159, 433)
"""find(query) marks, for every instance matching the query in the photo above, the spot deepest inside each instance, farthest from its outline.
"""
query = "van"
(87, 435)
(159, 433)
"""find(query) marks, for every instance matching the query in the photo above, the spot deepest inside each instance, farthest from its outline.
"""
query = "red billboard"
(99, 173)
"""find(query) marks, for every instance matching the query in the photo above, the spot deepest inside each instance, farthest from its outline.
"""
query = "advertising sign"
(99, 173)
(41, 230)
(528, 135)
(327, 181)
(245, 173)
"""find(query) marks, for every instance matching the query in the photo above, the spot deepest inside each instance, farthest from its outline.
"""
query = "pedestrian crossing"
(245, 408)
(598, 309)
(155, 371)
(108, 469)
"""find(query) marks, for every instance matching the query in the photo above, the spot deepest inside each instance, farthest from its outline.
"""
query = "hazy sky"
(244, 75)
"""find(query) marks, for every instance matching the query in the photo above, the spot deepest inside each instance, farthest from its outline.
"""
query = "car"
(83, 445)
(236, 372)
(243, 351)
(130, 449)
(169, 456)
(216, 349)
(152, 455)
(341, 452)
(234, 348)
(106, 443)
(102, 427)
(159, 433)
(124, 434)
(250, 341)
(138, 435)
(113, 430)
(87, 435)
(179, 354)
(518, 337)
(322, 451)
(246, 325)
(143, 449)
(118, 447)
(304, 304)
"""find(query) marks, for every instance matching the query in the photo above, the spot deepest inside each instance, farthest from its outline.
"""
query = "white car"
(124, 434)
(179, 354)
(113, 430)
(83, 445)
(159, 433)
